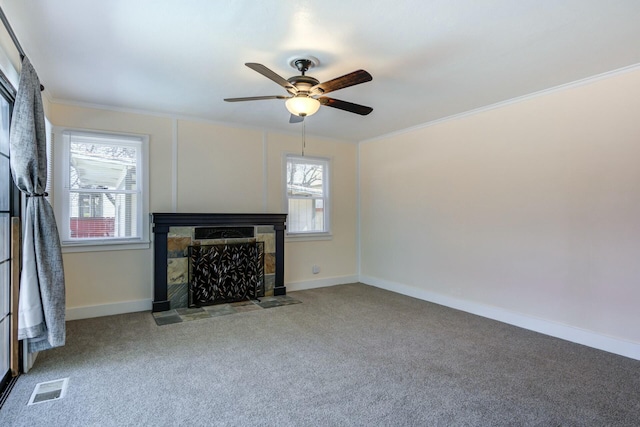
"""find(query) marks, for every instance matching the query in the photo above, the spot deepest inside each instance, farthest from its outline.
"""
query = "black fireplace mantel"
(163, 221)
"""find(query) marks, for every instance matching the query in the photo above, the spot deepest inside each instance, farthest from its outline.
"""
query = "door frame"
(8, 92)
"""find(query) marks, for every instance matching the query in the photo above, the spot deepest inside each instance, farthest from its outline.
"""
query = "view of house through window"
(307, 194)
(101, 194)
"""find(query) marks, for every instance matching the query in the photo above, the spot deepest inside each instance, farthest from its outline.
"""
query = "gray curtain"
(42, 292)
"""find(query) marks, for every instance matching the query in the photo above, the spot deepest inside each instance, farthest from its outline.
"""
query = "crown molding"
(516, 100)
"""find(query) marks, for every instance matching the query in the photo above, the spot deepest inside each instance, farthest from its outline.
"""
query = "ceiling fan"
(305, 92)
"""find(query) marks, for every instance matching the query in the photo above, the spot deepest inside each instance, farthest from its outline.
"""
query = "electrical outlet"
(315, 269)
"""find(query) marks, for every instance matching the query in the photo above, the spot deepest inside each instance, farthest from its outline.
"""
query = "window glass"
(103, 192)
(307, 195)
(8, 208)
(5, 173)
(4, 126)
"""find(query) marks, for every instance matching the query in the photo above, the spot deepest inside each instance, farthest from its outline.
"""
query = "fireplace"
(174, 233)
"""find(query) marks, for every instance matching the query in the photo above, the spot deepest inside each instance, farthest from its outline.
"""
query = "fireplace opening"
(200, 233)
(226, 272)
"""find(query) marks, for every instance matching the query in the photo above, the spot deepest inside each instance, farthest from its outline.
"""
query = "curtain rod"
(3, 17)
(6, 24)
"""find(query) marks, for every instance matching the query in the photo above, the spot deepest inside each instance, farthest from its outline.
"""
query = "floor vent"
(50, 390)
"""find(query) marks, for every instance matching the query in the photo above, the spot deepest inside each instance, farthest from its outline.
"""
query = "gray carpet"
(347, 355)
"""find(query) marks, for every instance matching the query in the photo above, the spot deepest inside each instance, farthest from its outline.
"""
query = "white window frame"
(326, 181)
(61, 193)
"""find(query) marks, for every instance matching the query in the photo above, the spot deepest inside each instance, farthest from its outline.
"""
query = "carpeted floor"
(347, 355)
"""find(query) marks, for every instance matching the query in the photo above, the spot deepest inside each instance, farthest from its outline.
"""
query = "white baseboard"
(88, 311)
(548, 327)
(320, 283)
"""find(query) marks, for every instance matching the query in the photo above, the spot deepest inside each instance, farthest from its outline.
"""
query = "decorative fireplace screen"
(225, 273)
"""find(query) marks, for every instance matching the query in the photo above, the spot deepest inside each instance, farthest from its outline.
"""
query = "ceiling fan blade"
(272, 76)
(344, 105)
(351, 79)
(255, 98)
(295, 119)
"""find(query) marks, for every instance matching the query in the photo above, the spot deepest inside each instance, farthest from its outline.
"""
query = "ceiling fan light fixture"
(302, 105)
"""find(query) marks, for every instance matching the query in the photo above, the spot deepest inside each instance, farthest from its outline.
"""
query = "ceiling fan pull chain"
(303, 138)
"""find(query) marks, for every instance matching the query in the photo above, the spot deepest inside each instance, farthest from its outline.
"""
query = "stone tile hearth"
(179, 315)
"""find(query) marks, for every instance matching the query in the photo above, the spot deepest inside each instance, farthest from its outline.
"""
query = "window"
(307, 195)
(101, 189)
(9, 207)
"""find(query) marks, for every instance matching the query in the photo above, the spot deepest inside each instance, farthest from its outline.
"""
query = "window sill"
(307, 237)
(68, 247)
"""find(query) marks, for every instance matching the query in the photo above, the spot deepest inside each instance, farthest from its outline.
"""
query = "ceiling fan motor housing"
(302, 83)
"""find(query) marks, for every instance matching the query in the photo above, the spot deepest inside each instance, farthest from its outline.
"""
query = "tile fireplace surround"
(178, 225)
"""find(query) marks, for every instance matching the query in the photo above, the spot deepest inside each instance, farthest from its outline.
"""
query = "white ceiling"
(429, 59)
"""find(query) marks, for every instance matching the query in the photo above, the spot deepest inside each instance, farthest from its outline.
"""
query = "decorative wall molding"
(543, 326)
(174, 165)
